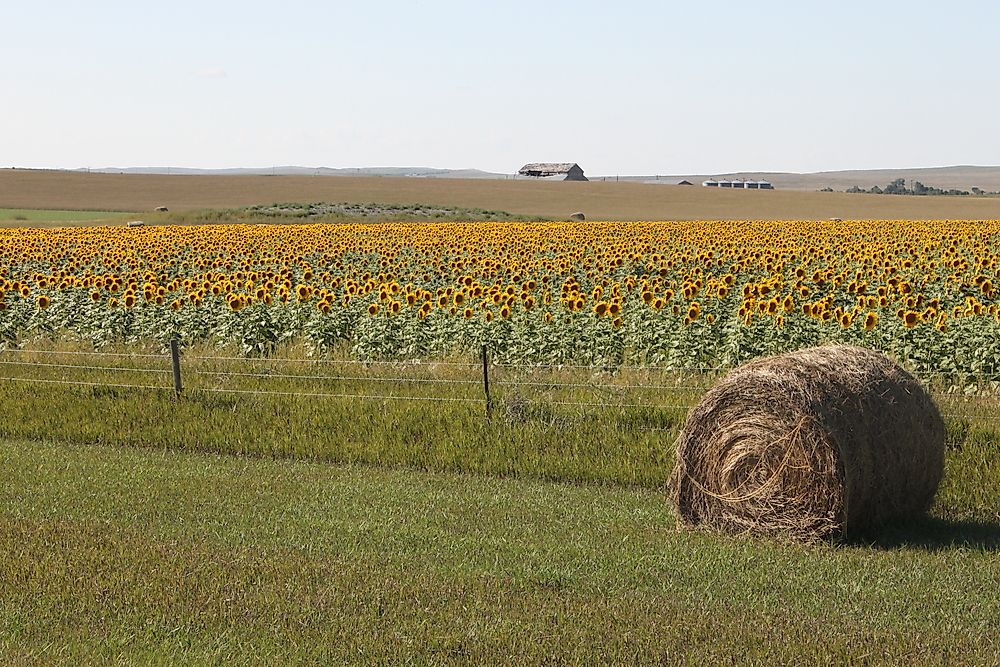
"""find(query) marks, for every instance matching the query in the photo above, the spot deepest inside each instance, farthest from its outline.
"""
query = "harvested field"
(598, 200)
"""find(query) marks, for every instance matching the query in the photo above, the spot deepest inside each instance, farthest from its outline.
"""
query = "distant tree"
(897, 187)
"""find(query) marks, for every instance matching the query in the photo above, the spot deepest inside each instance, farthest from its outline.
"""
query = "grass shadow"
(934, 534)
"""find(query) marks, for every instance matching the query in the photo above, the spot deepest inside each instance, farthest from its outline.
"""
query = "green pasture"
(272, 528)
(147, 556)
(10, 217)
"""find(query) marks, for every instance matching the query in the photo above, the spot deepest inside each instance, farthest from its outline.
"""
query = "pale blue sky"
(629, 87)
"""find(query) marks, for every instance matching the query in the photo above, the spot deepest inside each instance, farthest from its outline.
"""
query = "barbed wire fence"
(492, 386)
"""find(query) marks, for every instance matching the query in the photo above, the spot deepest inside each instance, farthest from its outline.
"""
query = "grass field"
(598, 200)
(146, 556)
(48, 217)
(207, 530)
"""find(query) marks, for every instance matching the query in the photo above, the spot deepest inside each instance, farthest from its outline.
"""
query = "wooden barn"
(561, 171)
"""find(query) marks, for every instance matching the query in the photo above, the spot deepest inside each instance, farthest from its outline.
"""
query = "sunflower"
(373, 309)
(911, 318)
(43, 302)
(871, 321)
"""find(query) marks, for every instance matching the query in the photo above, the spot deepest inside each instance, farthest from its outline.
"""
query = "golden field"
(33, 189)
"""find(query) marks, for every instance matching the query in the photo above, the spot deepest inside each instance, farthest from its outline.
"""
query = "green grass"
(24, 216)
(143, 556)
(240, 528)
(527, 437)
(343, 212)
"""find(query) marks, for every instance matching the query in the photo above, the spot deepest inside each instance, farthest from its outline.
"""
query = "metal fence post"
(175, 362)
(486, 381)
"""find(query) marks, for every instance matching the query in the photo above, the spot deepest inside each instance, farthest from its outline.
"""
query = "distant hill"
(960, 177)
(416, 172)
(74, 190)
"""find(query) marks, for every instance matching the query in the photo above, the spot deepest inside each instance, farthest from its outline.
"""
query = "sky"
(621, 87)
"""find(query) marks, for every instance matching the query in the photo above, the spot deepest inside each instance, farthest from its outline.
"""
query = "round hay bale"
(578, 217)
(810, 445)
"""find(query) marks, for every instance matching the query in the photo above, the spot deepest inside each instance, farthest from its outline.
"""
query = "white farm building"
(739, 184)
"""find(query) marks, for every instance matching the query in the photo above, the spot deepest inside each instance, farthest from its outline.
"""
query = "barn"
(557, 171)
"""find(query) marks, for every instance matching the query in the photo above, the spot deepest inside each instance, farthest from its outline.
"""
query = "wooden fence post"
(486, 381)
(175, 362)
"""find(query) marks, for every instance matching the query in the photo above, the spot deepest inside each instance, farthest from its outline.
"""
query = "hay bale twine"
(811, 445)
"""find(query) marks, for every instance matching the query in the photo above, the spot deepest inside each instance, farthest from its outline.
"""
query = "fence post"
(175, 362)
(486, 381)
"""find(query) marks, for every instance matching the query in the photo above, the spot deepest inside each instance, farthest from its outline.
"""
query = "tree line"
(898, 187)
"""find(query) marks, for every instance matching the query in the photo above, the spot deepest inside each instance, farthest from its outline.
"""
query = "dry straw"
(811, 445)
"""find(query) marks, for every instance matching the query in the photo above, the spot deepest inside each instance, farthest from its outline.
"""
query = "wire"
(962, 398)
(325, 395)
(89, 368)
(406, 398)
(613, 405)
(973, 417)
(131, 355)
(355, 362)
(86, 384)
(604, 367)
(591, 385)
(332, 377)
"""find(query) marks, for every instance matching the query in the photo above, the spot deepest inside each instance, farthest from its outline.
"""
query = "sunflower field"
(674, 294)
